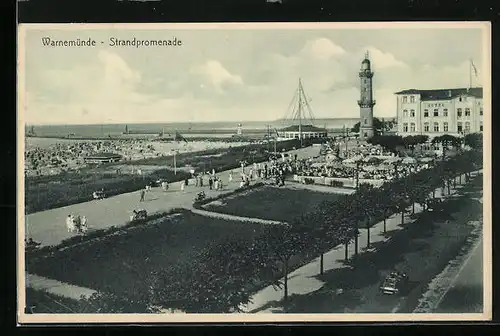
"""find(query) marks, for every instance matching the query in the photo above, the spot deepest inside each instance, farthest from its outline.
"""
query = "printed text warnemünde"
(112, 42)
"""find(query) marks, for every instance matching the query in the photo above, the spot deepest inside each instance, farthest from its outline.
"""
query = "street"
(466, 291)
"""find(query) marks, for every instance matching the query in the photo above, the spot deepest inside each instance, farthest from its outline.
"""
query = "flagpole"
(470, 73)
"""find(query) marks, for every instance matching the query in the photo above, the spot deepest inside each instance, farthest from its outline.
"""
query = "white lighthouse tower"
(239, 130)
(366, 101)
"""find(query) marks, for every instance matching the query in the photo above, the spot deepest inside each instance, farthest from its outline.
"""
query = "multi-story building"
(437, 112)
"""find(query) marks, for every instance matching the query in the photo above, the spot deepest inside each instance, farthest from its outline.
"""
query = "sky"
(235, 74)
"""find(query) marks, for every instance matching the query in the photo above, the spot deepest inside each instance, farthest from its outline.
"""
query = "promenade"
(49, 227)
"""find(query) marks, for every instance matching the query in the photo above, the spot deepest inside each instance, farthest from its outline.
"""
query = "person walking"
(182, 186)
(210, 182)
(143, 193)
(216, 184)
(196, 181)
(201, 180)
(230, 177)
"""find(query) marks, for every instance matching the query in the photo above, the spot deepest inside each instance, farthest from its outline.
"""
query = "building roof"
(104, 156)
(304, 128)
(444, 94)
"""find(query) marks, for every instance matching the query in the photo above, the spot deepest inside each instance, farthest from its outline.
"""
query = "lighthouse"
(239, 129)
(366, 101)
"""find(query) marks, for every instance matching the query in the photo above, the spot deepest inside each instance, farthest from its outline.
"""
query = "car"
(394, 283)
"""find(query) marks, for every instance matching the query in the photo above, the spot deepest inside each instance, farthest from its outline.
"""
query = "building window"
(445, 127)
(412, 99)
(405, 127)
(366, 121)
(459, 112)
(436, 112)
(412, 127)
(467, 112)
(459, 127)
(405, 113)
(405, 99)
(445, 112)
(467, 127)
(412, 113)
(426, 127)
(426, 113)
(481, 111)
(481, 126)
(436, 127)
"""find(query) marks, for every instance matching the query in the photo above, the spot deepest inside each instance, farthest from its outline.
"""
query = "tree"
(390, 142)
(411, 141)
(447, 140)
(379, 126)
(474, 140)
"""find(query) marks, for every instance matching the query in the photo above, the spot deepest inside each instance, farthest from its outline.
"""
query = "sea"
(186, 129)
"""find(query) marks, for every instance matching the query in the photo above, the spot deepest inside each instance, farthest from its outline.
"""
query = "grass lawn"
(422, 249)
(120, 264)
(270, 202)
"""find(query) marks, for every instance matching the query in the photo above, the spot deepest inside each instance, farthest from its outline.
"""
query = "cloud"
(216, 74)
(239, 81)
(322, 49)
(383, 60)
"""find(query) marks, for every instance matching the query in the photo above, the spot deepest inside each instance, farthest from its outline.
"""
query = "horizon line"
(192, 122)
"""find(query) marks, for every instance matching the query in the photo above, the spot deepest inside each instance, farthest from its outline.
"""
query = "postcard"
(252, 172)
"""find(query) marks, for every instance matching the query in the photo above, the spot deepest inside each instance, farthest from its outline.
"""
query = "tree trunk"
(449, 187)
(433, 193)
(346, 256)
(321, 264)
(385, 224)
(356, 244)
(413, 208)
(285, 283)
(368, 236)
(403, 216)
(460, 178)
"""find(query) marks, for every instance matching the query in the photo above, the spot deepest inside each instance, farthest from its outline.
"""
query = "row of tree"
(395, 143)
(224, 275)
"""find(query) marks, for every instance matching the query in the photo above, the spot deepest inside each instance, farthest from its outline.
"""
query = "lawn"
(48, 192)
(120, 264)
(270, 202)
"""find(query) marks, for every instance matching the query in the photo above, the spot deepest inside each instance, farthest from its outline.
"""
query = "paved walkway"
(303, 280)
(57, 288)
(49, 228)
(235, 218)
(318, 188)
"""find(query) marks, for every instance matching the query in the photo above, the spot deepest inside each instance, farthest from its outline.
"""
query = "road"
(49, 228)
(466, 291)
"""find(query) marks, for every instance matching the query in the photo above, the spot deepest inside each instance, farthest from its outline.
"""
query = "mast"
(300, 111)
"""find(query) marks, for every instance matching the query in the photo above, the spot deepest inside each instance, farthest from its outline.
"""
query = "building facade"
(366, 101)
(437, 112)
(307, 132)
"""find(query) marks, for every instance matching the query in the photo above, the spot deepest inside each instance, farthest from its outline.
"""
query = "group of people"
(76, 224)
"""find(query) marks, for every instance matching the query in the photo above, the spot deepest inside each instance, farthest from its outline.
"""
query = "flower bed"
(272, 203)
